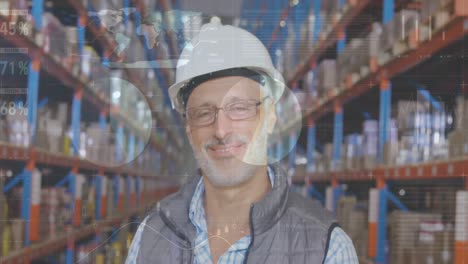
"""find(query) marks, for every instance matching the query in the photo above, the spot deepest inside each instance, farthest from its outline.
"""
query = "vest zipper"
(178, 233)
(251, 235)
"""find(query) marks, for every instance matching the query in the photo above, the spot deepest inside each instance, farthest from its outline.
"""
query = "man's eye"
(239, 107)
(202, 113)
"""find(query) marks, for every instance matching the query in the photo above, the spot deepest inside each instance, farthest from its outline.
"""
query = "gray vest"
(285, 228)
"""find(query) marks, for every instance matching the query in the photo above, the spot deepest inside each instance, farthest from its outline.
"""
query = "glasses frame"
(217, 109)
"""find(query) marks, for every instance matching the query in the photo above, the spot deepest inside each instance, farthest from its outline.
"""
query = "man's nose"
(223, 125)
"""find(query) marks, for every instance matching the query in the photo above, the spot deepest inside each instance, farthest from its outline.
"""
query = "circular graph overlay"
(118, 135)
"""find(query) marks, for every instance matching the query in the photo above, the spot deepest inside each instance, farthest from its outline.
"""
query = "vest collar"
(265, 213)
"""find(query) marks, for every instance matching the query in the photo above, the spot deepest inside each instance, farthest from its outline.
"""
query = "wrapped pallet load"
(419, 238)
(327, 78)
(54, 33)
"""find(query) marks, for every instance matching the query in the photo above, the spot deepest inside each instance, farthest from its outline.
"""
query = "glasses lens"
(201, 116)
(241, 110)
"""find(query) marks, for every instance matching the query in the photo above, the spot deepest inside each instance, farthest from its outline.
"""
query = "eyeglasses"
(235, 111)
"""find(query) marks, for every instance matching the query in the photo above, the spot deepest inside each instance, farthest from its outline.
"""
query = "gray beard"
(225, 173)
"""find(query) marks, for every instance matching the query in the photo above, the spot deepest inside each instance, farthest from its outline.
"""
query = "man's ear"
(188, 131)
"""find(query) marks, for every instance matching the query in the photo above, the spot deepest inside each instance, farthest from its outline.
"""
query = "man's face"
(229, 151)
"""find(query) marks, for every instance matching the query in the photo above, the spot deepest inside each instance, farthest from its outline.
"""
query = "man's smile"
(225, 150)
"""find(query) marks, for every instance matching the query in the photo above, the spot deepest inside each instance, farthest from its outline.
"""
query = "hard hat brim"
(274, 82)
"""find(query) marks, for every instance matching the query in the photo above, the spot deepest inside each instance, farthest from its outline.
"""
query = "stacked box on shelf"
(349, 62)
(305, 38)
(335, 10)
(326, 78)
(430, 7)
(370, 143)
(51, 127)
(345, 206)
(353, 151)
(372, 46)
(54, 34)
(111, 207)
(434, 244)
(91, 65)
(55, 212)
(290, 57)
(310, 88)
(73, 60)
(413, 235)
(422, 128)
(103, 5)
(390, 148)
(317, 166)
(458, 139)
(14, 223)
(88, 202)
(327, 157)
(3, 128)
(439, 14)
(352, 217)
(18, 129)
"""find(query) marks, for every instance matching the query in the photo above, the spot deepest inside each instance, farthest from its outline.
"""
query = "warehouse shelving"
(333, 104)
(60, 242)
(17, 153)
(123, 177)
(110, 45)
(54, 68)
(331, 39)
(164, 81)
(424, 171)
(455, 29)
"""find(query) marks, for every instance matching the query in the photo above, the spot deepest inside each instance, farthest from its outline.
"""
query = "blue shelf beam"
(388, 11)
(312, 192)
(76, 120)
(337, 135)
(341, 44)
(318, 21)
(311, 139)
(384, 116)
(98, 189)
(382, 227)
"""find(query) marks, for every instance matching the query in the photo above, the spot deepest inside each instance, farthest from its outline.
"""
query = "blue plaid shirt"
(340, 251)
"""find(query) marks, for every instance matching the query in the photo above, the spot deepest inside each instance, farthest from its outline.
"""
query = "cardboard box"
(345, 206)
(54, 35)
(405, 22)
(361, 244)
(326, 77)
(403, 234)
(456, 143)
(327, 157)
(17, 235)
(390, 153)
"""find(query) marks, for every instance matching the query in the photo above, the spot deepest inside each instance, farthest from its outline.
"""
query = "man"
(237, 209)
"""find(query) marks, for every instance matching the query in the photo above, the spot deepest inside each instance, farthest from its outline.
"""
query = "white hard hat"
(220, 47)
